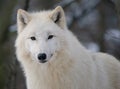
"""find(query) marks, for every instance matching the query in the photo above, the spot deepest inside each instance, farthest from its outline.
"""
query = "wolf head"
(40, 34)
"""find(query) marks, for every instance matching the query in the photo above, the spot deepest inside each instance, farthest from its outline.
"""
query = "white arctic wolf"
(53, 58)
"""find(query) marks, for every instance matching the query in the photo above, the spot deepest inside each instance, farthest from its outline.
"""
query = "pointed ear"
(23, 19)
(58, 17)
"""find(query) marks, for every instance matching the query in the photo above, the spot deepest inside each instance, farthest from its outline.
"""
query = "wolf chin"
(53, 58)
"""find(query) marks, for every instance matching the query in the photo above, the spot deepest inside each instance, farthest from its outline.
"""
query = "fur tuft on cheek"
(21, 51)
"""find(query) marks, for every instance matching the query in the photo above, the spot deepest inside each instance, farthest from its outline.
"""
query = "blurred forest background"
(96, 23)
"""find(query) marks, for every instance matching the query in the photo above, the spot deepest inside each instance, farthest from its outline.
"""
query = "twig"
(26, 7)
(84, 13)
(66, 3)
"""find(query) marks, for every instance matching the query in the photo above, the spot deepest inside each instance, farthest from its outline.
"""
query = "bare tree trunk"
(5, 19)
(117, 5)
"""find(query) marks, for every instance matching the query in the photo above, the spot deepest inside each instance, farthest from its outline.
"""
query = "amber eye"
(32, 38)
(50, 37)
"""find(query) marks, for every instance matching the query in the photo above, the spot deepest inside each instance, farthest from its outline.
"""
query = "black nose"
(42, 56)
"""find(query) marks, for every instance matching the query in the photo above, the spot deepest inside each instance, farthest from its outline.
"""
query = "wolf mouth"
(43, 61)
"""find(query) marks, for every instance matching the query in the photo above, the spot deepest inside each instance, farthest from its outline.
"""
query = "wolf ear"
(23, 19)
(58, 17)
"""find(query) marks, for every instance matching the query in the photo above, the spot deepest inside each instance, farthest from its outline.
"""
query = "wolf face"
(43, 44)
(39, 33)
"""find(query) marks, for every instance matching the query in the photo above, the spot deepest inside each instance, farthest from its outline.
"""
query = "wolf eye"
(50, 37)
(32, 38)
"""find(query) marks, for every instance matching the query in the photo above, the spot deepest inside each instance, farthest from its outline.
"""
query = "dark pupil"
(33, 38)
(50, 36)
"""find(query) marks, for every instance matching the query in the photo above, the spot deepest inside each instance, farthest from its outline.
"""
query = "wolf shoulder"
(108, 62)
(105, 57)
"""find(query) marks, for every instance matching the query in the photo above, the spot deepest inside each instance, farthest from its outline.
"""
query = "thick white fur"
(71, 67)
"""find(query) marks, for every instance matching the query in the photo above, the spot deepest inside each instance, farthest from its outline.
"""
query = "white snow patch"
(13, 28)
(93, 47)
(113, 34)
